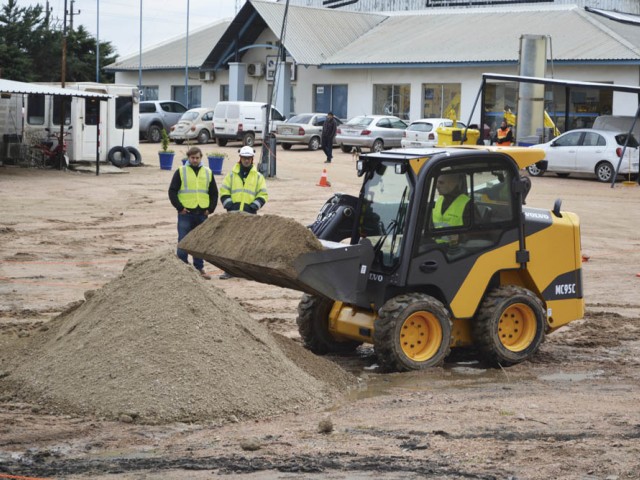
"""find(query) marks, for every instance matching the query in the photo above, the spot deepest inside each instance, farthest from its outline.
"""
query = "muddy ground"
(573, 412)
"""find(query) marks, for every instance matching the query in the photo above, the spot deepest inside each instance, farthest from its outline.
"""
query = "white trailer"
(117, 119)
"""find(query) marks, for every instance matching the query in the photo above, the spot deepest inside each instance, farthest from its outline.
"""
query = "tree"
(31, 50)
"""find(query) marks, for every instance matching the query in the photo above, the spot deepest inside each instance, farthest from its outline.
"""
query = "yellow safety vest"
(244, 193)
(453, 217)
(194, 191)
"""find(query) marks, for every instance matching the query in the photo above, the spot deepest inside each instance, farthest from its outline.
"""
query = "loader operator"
(451, 207)
(194, 194)
(243, 189)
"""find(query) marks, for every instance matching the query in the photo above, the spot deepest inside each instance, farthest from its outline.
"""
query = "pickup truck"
(156, 115)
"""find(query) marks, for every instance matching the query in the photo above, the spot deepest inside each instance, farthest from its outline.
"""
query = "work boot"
(225, 276)
(204, 275)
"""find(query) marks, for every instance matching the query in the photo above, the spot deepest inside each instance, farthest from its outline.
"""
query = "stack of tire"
(125, 157)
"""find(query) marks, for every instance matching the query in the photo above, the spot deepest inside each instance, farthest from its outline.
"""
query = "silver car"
(585, 150)
(304, 129)
(376, 132)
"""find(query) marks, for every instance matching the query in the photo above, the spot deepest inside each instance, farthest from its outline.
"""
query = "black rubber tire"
(345, 148)
(377, 145)
(203, 137)
(510, 325)
(154, 134)
(179, 142)
(313, 321)
(563, 175)
(400, 321)
(604, 172)
(221, 141)
(248, 139)
(135, 159)
(119, 156)
(535, 171)
(314, 143)
(286, 146)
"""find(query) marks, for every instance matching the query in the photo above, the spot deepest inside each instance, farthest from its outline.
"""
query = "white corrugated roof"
(487, 35)
(314, 34)
(172, 54)
(11, 86)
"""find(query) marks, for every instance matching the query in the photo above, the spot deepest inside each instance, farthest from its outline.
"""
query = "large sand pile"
(158, 345)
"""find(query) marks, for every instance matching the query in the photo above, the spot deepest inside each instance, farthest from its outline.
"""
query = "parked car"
(195, 124)
(156, 115)
(376, 132)
(305, 129)
(586, 150)
(423, 132)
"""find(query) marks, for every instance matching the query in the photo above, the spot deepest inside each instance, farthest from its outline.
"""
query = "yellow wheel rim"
(421, 336)
(517, 327)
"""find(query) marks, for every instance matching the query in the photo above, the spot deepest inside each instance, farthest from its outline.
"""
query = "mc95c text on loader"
(402, 270)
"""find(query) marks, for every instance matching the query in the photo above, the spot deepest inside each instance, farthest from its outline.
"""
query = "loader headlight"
(360, 167)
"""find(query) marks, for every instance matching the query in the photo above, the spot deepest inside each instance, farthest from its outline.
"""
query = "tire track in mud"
(40, 464)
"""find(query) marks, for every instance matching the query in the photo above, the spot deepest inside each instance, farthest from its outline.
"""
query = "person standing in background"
(329, 130)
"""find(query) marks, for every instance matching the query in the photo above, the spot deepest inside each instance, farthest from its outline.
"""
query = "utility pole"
(63, 73)
(71, 14)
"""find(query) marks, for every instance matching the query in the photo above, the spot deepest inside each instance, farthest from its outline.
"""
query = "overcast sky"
(162, 20)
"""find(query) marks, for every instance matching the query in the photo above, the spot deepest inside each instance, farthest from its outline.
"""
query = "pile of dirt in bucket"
(158, 345)
(257, 247)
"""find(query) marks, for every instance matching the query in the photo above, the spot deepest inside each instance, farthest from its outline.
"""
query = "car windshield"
(300, 119)
(420, 127)
(359, 122)
(189, 116)
(386, 196)
(622, 138)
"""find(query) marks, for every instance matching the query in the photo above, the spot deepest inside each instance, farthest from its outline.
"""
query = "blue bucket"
(215, 164)
(166, 160)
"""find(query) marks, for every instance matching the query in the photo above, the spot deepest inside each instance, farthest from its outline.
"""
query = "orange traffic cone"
(324, 182)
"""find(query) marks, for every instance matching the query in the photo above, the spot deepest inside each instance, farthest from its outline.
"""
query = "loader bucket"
(280, 251)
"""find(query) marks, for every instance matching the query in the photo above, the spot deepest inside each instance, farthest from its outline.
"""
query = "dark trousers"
(327, 148)
(186, 223)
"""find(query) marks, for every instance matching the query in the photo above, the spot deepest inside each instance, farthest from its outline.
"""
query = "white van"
(242, 121)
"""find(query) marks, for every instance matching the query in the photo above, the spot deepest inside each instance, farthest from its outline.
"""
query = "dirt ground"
(573, 412)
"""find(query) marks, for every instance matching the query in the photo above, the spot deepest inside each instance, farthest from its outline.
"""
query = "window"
(61, 104)
(593, 140)
(149, 92)
(469, 208)
(441, 100)
(392, 100)
(91, 111)
(124, 112)
(224, 92)
(331, 98)
(570, 139)
(35, 108)
(194, 95)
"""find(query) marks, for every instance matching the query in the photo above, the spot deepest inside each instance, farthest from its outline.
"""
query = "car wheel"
(535, 171)
(377, 146)
(314, 143)
(154, 134)
(248, 139)
(604, 171)
(179, 142)
(222, 142)
(286, 146)
(203, 137)
(345, 148)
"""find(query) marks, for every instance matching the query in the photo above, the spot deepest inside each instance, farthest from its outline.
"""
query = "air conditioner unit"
(207, 76)
(255, 69)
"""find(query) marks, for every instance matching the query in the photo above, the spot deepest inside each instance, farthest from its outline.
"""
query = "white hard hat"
(247, 151)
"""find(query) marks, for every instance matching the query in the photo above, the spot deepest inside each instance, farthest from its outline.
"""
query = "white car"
(585, 150)
(423, 132)
(195, 124)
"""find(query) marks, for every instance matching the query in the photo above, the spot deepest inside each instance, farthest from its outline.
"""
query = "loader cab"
(423, 239)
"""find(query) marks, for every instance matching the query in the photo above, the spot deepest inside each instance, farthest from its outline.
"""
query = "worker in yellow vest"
(450, 209)
(194, 194)
(244, 188)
